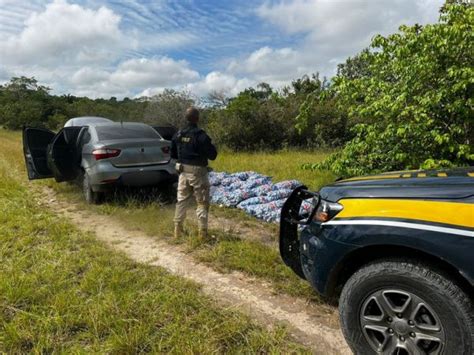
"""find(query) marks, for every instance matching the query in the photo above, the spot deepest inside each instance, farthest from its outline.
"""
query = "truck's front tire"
(404, 306)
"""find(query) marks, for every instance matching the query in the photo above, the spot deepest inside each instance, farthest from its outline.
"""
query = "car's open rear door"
(35, 146)
(65, 154)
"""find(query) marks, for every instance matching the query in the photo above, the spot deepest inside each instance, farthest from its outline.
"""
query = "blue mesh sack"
(278, 194)
(256, 200)
(230, 180)
(254, 193)
(287, 185)
(216, 178)
(263, 189)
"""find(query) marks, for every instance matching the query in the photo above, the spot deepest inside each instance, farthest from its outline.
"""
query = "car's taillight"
(105, 153)
(165, 149)
(326, 211)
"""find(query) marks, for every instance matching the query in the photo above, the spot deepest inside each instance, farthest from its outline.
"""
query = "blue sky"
(207, 33)
(133, 48)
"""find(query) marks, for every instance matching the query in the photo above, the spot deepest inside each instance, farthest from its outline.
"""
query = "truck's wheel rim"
(400, 322)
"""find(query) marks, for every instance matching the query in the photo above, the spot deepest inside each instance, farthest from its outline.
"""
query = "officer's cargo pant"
(193, 180)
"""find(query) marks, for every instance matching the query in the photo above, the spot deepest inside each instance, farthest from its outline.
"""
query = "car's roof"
(120, 124)
(86, 121)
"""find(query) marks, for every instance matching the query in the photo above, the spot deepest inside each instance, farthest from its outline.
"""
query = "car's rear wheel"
(402, 307)
(90, 195)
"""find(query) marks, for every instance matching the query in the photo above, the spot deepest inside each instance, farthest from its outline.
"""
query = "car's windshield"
(109, 132)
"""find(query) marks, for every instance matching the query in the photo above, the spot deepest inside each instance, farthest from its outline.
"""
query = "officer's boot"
(201, 211)
(178, 230)
(202, 234)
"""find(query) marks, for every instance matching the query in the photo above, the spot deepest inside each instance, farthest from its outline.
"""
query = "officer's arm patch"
(185, 139)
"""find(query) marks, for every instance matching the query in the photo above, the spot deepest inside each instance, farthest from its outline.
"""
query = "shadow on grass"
(123, 196)
(162, 195)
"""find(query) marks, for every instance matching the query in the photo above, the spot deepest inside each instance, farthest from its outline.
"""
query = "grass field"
(62, 291)
(228, 251)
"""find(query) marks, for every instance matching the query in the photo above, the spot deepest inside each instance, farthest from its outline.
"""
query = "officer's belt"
(186, 168)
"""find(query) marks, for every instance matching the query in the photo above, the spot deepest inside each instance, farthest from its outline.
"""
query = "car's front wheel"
(90, 195)
(402, 307)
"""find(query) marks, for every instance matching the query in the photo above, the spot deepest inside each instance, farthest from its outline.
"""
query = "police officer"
(192, 148)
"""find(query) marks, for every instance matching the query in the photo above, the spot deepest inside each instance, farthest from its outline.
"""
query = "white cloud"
(336, 29)
(100, 89)
(153, 72)
(92, 50)
(134, 74)
(89, 76)
(4, 75)
(217, 81)
(13, 14)
(332, 30)
(149, 92)
(220, 82)
(274, 66)
(337, 19)
(81, 50)
(64, 33)
(162, 40)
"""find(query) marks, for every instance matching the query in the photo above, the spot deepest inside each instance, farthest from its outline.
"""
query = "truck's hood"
(427, 184)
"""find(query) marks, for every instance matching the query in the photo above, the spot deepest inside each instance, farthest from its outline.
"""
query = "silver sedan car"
(100, 155)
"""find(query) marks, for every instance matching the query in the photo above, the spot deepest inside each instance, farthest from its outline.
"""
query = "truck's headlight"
(326, 211)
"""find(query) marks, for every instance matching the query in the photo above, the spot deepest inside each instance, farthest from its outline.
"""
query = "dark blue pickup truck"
(396, 251)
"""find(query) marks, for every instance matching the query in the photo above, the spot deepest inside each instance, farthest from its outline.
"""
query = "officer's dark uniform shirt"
(192, 146)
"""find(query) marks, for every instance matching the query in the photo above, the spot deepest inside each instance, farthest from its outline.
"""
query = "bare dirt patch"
(312, 325)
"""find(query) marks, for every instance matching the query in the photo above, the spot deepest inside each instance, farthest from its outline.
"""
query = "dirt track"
(234, 290)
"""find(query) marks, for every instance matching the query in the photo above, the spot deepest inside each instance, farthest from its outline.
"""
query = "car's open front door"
(65, 154)
(35, 146)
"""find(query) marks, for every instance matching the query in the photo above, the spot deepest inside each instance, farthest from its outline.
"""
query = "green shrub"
(247, 123)
(413, 99)
(262, 119)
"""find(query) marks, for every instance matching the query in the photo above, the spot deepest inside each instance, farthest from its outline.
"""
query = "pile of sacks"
(254, 193)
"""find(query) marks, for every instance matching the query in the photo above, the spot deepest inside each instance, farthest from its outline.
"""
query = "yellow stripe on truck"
(461, 214)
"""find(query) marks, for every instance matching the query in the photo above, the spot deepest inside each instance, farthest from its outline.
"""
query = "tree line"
(23, 101)
(406, 101)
